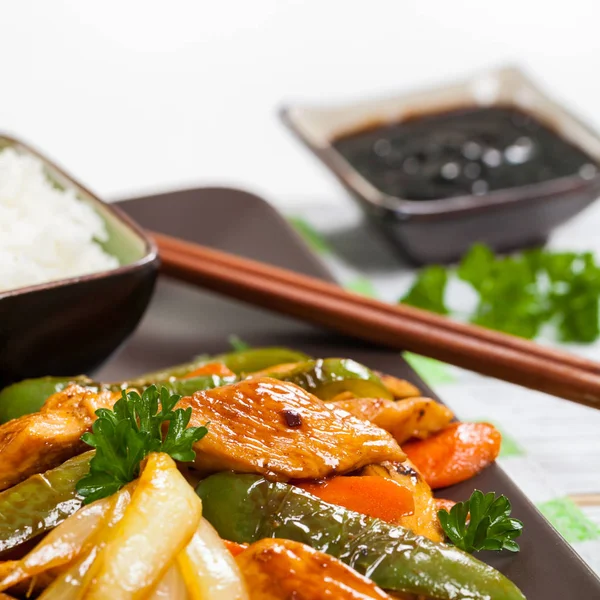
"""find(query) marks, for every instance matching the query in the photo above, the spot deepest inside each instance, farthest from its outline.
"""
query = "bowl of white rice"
(76, 274)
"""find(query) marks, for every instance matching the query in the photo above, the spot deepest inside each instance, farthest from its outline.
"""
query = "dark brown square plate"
(183, 322)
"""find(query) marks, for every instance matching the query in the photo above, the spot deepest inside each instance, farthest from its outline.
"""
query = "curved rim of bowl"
(150, 248)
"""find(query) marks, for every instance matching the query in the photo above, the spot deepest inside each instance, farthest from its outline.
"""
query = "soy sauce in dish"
(462, 152)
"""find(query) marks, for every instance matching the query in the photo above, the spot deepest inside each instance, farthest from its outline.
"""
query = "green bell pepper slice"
(41, 502)
(247, 508)
(186, 387)
(258, 359)
(328, 377)
(28, 396)
(243, 361)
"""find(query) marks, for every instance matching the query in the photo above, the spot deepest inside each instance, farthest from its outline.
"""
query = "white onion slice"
(209, 570)
(66, 542)
(70, 584)
(158, 523)
(171, 587)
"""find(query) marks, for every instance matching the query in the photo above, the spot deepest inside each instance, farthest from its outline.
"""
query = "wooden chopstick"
(396, 326)
(430, 318)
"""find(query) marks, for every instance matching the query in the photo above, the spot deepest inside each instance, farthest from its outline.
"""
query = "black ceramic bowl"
(72, 326)
(443, 230)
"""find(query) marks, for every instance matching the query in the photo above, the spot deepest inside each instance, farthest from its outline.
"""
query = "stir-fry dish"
(262, 474)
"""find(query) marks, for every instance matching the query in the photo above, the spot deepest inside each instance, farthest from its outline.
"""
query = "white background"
(134, 96)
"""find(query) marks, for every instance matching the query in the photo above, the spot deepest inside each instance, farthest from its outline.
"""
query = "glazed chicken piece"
(404, 419)
(37, 442)
(282, 569)
(257, 426)
(399, 388)
(277, 429)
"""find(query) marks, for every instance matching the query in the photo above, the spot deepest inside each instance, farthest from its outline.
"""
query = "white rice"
(45, 233)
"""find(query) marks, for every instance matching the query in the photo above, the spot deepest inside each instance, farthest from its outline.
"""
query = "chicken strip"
(404, 419)
(39, 441)
(278, 430)
(281, 569)
(399, 388)
(257, 426)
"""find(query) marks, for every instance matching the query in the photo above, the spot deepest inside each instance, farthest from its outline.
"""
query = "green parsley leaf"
(481, 523)
(125, 435)
(476, 266)
(428, 290)
(508, 293)
(519, 294)
(573, 296)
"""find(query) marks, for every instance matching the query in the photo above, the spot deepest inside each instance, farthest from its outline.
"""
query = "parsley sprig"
(428, 290)
(125, 435)
(520, 293)
(482, 523)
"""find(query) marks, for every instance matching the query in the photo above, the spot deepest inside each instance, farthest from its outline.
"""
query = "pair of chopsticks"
(396, 326)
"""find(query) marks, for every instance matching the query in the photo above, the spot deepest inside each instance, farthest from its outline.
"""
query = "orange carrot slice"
(454, 454)
(370, 495)
(216, 368)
